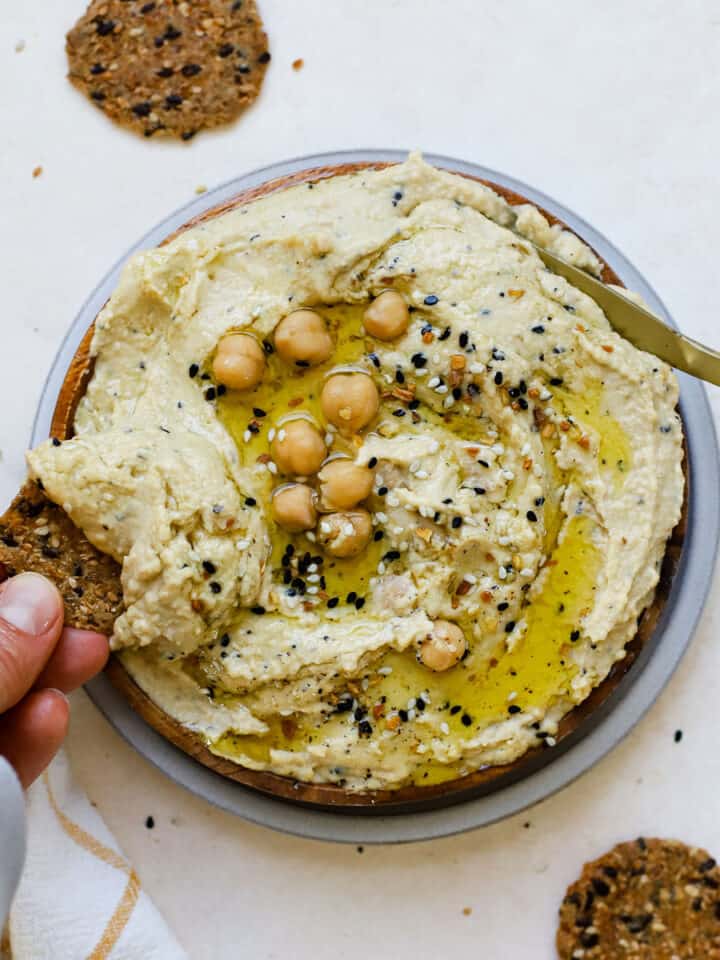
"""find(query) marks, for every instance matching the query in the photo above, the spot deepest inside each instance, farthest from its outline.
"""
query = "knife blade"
(642, 328)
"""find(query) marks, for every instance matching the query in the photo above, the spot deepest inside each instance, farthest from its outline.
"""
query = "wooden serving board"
(331, 796)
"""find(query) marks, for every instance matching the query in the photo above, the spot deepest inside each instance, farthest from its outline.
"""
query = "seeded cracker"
(645, 900)
(35, 534)
(169, 67)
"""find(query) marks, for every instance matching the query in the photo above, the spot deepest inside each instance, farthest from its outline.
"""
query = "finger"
(79, 655)
(31, 616)
(32, 732)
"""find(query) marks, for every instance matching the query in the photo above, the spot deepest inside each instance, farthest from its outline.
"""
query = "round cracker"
(169, 67)
(645, 900)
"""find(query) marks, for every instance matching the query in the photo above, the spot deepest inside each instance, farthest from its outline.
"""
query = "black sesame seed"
(193, 370)
(391, 555)
(678, 736)
(466, 720)
(343, 706)
(445, 334)
(252, 427)
(463, 339)
(360, 603)
(522, 403)
(418, 360)
(455, 710)
(538, 328)
(208, 566)
(191, 69)
(514, 393)
(479, 490)
(532, 516)
(382, 491)
(333, 602)
(374, 359)
(259, 412)
(104, 27)
(378, 535)
(404, 716)
(498, 355)
(224, 640)
(456, 522)
(225, 50)
(250, 502)
(498, 377)
(149, 822)
(351, 597)
(142, 109)
(165, 72)
(556, 381)
(98, 95)
(172, 101)
(600, 887)
(55, 442)
(509, 626)
(399, 412)
(221, 390)
(264, 57)
(575, 635)
(413, 405)
(514, 708)
(372, 462)
(259, 610)
(147, 7)
(97, 68)
(215, 586)
(172, 33)
(210, 393)
(399, 376)
(589, 940)
(708, 864)
(430, 300)
(539, 501)
(456, 393)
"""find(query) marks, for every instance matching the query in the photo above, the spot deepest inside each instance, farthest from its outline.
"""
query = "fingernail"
(59, 693)
(29, 603)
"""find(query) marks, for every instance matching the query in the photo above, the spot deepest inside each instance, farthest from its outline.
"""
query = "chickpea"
(298, 449)
(345, 534)
(294, 507)
(344, 484)
(349, 401)
(302, 338)
(443, 647)
(239, 362)
(387, 317)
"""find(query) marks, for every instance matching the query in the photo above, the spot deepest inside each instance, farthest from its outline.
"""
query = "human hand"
(39, 663)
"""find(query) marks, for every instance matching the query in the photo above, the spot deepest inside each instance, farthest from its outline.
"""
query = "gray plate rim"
(634, 696)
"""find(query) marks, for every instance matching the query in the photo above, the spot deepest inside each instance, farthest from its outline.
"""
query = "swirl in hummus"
(492, 475)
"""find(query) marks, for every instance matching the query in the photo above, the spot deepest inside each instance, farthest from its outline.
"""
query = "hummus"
(526, 474)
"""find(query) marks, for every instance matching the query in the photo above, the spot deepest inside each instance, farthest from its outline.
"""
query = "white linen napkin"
(79, 898)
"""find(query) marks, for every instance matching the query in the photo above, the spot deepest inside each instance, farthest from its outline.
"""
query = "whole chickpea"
(294, 507)
(443, 647)
(387, 317)
(239, 362)
(345, 534)
(349, 401)
(344, 484)
(298, 448)
(302, 338)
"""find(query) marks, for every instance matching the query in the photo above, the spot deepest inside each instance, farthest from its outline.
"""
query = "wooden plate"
(329, 796)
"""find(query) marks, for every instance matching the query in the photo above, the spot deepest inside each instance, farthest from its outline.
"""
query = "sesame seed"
(430, 300)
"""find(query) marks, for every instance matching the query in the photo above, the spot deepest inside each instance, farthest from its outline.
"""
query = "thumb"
(31, 619)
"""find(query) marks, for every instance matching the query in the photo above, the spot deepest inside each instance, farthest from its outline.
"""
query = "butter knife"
(642, 328)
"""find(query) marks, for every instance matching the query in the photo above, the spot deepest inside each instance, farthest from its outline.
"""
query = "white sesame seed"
(246, 436)
(434, 382)
(444, 728)
(502, 573)
(443, 388)
(310, 536)
(449, 402)
(412, 702)
(470, 578)
(421, 748)
(313, 578)
(421, 373)
(381, 517)
(281, 434)
(348, 529)
(312, 568)
(476, 368)
(398, 530)
(526, 449)
(414, 466)
(271, 434)
(545, 395)
(434, 446)
(508, 475)
(526, 572)
(385, 671)
(511, 696)
(381, 568)
(498, 448)
(325, 526)
(313, 590)
(272, 467)
(329, 438)
(423, 475)
(404, 546)
(392, 500)
(503, 541)
(411, 714)
(243, 544)
(550, 741)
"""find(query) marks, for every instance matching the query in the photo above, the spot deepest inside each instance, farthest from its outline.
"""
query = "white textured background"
(612, 108)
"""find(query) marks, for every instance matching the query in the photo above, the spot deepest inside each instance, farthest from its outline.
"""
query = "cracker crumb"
(298, 64)
(37, 172)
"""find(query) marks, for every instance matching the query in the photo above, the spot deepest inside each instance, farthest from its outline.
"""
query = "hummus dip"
(371, 538)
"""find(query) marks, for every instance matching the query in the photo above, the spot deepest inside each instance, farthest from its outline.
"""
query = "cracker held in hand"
(37, 535)
(645, 900)
(167, 67)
